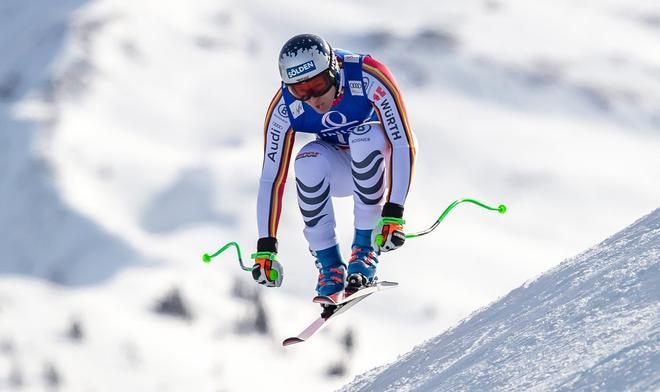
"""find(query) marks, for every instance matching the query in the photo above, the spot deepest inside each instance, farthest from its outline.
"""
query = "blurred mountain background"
(131, 141)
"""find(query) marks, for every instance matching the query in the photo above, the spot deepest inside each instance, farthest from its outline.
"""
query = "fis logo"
(296, 109)
(301, 69)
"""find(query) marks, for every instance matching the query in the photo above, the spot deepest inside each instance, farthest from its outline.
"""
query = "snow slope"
(592, 323)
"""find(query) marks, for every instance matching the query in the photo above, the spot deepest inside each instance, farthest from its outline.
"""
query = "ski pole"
(501, 209)
(207, 258)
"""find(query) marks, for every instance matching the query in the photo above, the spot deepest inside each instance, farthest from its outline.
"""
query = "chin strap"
(338, 87)
(334, 71)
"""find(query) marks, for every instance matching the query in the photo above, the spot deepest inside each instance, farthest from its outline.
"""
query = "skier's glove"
(266, 269)
(388, 234)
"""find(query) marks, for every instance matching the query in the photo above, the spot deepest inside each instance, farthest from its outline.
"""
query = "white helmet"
(305, 56)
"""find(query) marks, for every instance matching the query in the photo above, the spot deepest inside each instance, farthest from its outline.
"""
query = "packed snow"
(592, 323)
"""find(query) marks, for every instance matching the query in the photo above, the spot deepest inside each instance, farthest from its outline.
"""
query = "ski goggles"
(312, 88)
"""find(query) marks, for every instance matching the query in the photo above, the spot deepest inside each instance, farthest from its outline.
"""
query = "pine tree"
(51, 376)
(172, 304)
(75, 332)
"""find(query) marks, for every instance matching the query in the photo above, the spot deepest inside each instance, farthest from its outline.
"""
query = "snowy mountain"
(592, 323)
(131, 142)
(42, 235)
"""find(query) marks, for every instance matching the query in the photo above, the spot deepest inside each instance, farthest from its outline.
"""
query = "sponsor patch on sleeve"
(356, 87)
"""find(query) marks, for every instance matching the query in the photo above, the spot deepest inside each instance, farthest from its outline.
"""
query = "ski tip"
(292, 340)
(388, 283)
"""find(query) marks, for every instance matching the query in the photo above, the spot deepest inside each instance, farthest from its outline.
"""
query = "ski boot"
(362, 265)
(361, 268)
(332, 275)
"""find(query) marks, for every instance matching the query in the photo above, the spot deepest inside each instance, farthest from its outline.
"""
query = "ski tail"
(292, 340)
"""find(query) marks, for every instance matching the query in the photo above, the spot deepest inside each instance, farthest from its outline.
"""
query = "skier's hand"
(267, 270)
(388, 234)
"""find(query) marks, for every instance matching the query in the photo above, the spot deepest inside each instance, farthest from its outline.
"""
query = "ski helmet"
(305, 56)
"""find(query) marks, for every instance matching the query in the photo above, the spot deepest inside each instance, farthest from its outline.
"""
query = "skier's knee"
(310, 163)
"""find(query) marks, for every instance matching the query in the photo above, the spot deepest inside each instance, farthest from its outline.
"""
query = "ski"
(347, 295)
(348, 302)
(320, 323)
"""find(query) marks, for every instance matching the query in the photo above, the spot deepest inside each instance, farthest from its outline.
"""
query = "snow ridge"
(592, 322)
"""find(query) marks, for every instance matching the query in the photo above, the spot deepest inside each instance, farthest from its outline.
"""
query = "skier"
(364, 148)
